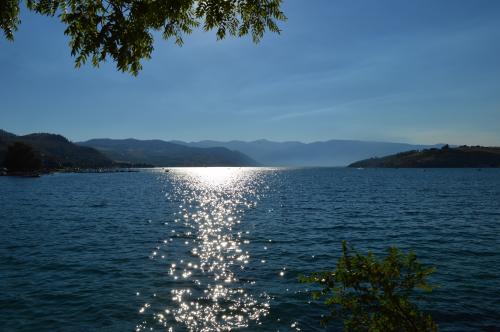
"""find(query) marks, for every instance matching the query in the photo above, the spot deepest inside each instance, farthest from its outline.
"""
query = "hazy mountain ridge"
(60, 152)
(162, 153)
(446, 157)
(321, 153)
(55, 151)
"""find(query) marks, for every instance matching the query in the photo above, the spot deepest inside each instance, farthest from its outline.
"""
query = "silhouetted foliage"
(9, 17)
(21, 157)
(123, 29)
(369, 294)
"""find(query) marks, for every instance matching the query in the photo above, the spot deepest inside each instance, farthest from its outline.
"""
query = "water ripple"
(206, 292)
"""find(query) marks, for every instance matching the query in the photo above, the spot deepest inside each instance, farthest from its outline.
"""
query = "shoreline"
(32, 174)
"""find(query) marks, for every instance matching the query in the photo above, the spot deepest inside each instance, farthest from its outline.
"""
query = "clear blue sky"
(423, 71)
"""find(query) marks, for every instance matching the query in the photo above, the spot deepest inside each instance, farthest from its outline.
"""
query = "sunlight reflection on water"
(207, 294)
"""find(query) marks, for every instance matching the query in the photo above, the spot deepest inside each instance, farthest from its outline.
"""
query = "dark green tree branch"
(369, 294)
(122, 30)
(9, 17)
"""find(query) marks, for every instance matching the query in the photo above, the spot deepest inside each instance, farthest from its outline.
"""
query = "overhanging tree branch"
(122, 30)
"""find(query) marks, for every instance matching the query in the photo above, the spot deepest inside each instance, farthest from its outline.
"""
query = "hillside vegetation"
(161, 153)
(446, 157)
(55, 151)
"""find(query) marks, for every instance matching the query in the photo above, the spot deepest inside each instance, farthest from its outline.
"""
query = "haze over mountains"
(57, 151)
(327, 153)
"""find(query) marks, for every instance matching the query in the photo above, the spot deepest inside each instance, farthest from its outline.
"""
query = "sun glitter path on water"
(207, 294)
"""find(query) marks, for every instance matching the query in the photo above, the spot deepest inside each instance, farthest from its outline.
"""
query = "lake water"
(214, 249)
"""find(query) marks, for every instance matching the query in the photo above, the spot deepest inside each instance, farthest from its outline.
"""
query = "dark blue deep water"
(213, 249)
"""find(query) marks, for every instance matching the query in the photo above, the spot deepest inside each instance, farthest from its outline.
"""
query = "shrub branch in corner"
(369, 294)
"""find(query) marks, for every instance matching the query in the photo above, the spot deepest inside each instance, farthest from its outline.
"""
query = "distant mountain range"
(161, 153)
(327, 153)
(446, 157)
(55, 151)
(58, 151)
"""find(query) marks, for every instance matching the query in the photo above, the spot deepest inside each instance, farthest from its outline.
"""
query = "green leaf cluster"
(9, 17)
(370, 294)
(122, 30)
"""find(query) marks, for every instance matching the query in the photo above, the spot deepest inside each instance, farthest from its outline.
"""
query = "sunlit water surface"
(220, 249)
(205, 255)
